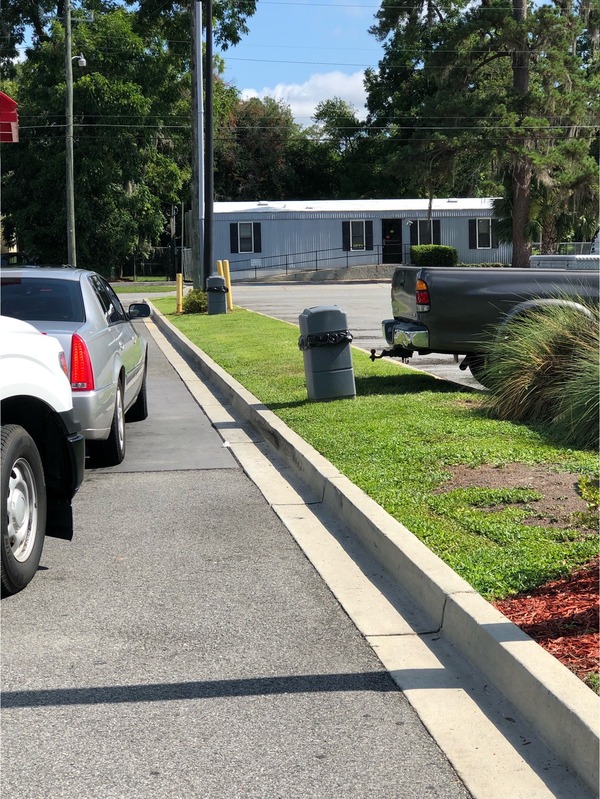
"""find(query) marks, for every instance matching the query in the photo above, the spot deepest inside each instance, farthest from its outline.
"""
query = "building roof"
(373, 206)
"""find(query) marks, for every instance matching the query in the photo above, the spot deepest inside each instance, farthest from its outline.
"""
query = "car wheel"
(112, 451)
(24, 514)
(139, 410)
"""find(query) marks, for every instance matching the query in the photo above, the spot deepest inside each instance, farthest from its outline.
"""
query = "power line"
(231, 132)
(358, 5)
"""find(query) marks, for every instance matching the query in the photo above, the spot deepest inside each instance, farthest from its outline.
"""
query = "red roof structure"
(9, 119)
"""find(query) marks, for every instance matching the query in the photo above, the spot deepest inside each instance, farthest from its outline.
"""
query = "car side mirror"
(139, 310)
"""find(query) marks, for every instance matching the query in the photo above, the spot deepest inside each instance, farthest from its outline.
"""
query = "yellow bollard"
(228, 284)
(179, 282)
(220, 268)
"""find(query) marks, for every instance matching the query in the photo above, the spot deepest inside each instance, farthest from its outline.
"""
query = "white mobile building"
(262, 237)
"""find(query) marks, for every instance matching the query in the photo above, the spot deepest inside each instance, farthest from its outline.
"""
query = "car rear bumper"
(407, 335)
(94, 411)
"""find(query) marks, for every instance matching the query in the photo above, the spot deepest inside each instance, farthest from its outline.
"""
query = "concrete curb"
(563, 710)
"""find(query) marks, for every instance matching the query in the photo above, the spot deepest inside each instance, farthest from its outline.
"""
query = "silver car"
(107, 357)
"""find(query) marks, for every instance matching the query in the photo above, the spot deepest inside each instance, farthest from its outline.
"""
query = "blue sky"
(305, 51)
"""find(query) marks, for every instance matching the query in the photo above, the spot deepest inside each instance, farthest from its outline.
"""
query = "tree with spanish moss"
(508, 95)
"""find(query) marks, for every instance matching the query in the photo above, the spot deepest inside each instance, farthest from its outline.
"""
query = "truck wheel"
(24, 508)
(139, 410)
(112, 451)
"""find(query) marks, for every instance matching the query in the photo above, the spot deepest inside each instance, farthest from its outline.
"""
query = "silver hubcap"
(22, 509)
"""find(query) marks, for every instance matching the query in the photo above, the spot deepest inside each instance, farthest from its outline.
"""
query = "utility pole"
(197, 227)
(71, 250)
(208, 152)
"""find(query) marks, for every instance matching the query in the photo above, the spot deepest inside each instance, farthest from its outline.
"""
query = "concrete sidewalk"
(463, 666)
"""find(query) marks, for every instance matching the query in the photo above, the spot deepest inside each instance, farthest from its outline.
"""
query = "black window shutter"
(436, 232)
(233, 237)
(346, 235)
(494, 234)
(369, 235)
(414, 233)
(257, 237)
(472, 234)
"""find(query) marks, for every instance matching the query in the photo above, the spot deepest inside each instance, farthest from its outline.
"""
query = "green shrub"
(433, 255)
(544, 368)
(195, 302)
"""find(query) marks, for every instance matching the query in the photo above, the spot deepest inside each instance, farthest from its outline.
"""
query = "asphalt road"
(365, 304)
(182, 646)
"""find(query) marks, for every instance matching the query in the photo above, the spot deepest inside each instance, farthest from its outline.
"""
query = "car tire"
(24, 508)
(139, 410)
(112, 451)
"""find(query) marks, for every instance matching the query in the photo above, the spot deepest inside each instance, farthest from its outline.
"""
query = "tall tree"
(126, 102)
(251, 151)
(500, 88)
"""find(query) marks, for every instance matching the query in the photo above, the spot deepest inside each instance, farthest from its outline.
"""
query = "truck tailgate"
(404, 304)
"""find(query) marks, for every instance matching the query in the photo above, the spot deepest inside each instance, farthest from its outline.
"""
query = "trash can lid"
(322, 318)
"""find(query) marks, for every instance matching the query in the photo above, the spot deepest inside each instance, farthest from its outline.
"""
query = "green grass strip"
(397, 440)
(142, 288)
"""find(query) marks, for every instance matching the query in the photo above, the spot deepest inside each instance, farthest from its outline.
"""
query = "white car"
(42, 449)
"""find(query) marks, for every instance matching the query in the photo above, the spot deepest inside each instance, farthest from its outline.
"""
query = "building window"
(357, 235)
(482, 234)
(245, 237)
(425, 231)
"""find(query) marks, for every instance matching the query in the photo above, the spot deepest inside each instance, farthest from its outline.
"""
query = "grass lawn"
(143, 288)
(398, 439)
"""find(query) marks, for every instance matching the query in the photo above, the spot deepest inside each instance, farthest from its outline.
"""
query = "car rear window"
(38, 299)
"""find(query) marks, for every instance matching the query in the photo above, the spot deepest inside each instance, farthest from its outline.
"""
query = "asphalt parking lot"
(183, 646)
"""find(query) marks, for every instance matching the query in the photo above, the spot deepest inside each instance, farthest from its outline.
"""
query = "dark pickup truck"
(458, 310)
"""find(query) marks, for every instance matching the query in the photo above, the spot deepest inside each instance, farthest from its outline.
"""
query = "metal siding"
(295, 237)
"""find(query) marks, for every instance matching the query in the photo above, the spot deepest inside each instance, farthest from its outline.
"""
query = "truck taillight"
(82, 374)
(422, 296)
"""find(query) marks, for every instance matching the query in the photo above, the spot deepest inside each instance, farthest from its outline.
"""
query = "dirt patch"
(560, 500)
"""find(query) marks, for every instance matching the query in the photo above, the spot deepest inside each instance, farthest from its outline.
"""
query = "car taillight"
(82, 374)
(422, 296)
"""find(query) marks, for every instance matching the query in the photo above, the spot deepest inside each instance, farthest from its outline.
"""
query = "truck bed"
(467, 303)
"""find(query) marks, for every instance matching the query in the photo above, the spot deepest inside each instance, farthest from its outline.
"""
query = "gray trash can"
(216, 292)
(325, 344)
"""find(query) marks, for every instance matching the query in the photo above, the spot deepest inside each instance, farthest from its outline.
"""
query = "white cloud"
(303, 98)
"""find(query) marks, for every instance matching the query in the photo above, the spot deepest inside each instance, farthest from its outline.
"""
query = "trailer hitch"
(388, 354)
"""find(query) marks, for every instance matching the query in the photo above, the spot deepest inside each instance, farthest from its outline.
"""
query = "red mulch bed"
(562, 616)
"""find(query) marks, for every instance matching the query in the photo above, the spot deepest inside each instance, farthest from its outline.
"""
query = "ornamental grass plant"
(544, 369)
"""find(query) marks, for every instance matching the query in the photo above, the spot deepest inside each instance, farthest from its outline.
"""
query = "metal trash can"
(325, 344)
(216, 292)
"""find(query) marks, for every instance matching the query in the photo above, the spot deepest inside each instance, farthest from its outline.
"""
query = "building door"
(391, 236)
